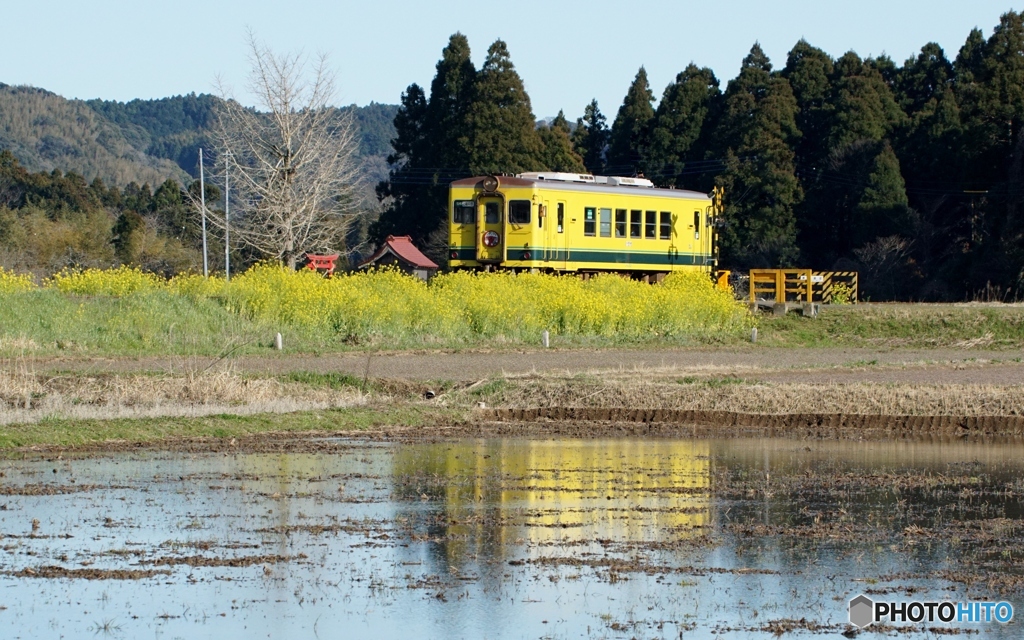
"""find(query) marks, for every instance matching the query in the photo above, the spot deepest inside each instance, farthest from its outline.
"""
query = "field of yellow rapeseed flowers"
(121, 281)
(11, 282)
(389, 306)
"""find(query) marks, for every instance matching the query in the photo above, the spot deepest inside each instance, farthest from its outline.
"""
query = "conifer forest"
(911, 173)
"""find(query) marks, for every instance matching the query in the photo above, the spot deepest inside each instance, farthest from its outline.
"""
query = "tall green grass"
(991, 326)
(48, 321)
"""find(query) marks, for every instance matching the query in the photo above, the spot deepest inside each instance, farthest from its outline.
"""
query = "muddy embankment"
(695, 423)
(588, 423)
(864, 400)
(744, 403)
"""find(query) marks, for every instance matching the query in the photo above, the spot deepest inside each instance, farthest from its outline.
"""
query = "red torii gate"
(318, 262)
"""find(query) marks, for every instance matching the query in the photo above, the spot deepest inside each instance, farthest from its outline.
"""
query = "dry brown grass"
(17, 344)
(26, 396)
(664, 390)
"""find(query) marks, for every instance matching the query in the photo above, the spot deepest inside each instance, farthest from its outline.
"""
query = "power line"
(441, 176)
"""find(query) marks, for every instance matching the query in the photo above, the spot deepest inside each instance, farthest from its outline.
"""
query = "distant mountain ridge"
(143, 141)
(46, 132)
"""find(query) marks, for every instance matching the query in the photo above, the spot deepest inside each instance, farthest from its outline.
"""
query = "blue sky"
(566, 52)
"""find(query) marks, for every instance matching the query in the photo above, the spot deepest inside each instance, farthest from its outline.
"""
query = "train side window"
(635, 223)
(589, 221)
(620, 223)
(561, 216)
(666, 225)
(651, 225)
(541, 213)
(696, 225)
(463, 212)
(519, 211)
(492, 215)
(606, 223)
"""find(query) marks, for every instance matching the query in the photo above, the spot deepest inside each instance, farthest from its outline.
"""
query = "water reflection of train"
(486, 494)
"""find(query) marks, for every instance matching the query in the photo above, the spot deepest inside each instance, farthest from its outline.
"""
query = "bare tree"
(293, 171)
(888, 267)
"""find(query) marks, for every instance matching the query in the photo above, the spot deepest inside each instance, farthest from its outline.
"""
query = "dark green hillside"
(143, 141)
(171, 128)
(174, 128)
(376, 124)
(46, 132)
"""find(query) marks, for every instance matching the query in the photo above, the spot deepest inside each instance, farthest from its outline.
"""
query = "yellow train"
(564, 222)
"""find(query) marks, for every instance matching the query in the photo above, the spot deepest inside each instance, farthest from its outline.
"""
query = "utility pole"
(975, 223)
(227, 209)
(202, 199)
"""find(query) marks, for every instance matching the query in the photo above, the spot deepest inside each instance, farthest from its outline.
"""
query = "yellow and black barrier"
(795, 287)
(780, 285)
(835, 287)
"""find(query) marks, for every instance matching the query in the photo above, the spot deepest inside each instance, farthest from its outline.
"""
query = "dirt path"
(808, 365)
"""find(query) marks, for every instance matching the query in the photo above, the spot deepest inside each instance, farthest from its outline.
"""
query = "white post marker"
(545, 339)
(278, 342)
(753, 334)
(202, 200)
(227, 209)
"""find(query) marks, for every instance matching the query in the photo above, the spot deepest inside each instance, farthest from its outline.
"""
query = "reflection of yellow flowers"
(392, 305)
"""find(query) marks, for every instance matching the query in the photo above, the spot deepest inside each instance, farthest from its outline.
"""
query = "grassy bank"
(125, 312)
(73, 410)
(119, 411)
(49, 323)
(967, 325)
(679, 391)
(64, 433)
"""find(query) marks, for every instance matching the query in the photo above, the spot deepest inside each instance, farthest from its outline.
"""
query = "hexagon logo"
(861, 611)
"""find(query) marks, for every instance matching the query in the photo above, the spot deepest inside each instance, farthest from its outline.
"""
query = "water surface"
(514, 538)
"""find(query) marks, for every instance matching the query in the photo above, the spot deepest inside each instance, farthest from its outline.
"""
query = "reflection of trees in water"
(476, 499)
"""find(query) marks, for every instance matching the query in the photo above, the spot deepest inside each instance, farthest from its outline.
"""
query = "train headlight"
(526, 255)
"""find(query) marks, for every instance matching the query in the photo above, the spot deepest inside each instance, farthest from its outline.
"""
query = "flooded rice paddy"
(509, 538)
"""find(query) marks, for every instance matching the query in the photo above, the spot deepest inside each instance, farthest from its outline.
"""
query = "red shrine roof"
(403, 249)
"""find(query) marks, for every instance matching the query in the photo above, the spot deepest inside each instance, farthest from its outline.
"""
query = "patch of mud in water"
(509, 538)
(86, 574)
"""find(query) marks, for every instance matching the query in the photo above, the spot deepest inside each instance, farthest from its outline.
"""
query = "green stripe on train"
(606, 256)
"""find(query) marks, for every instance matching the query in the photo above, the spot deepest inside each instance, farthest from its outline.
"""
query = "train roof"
(586, 183)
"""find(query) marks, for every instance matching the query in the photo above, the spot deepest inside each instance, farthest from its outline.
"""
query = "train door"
(490, 239)
(705, 239)
(554, 237)
(673, 236)
(561, 243)
(697, 244)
